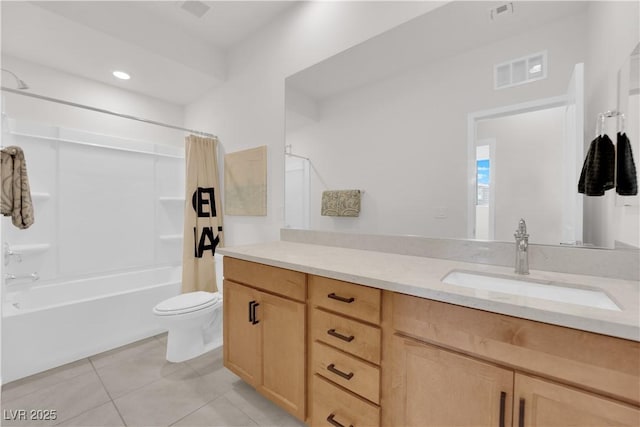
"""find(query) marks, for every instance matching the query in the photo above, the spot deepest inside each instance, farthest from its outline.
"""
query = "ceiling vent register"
(195, 8)
(520, 71)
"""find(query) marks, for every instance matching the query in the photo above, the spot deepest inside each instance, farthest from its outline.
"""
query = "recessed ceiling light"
(121, 75)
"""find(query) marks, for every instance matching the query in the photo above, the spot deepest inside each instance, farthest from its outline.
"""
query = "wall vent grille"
(520, 70)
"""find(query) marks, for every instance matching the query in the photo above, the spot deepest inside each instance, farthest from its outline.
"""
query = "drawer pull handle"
(503, 398)
(521, 414)
(332, 295)
(331, 420)
(332, 368)
(333, 333)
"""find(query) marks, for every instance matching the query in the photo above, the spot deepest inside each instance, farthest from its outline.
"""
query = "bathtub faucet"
(33, 276)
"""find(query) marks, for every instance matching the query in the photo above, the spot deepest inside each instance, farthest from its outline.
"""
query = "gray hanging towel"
(626, 179)
(598, 171)
(15, 196)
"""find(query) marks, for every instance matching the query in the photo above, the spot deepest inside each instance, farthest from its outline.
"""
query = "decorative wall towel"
(626, 179)
(15, 196)
(599, 167)
(341, 203)
(202, 215)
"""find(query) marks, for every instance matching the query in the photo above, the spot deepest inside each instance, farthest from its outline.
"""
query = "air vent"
(520, 71)
(501, 11)
(196, 8)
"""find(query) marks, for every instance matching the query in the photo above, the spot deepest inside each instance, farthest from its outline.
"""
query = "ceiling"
(170, 53)
(451, 29)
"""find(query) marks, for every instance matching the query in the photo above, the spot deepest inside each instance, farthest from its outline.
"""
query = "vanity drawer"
(331, 402)
(348, 335)
(360, 302)
(351, 373)
(288, 283)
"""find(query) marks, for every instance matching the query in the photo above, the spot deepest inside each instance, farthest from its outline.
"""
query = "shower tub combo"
(48, 326)
(102, 269)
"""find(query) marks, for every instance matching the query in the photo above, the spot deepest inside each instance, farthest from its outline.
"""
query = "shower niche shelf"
(35, 195)
(171, 237)
(171, 199)
(29, 249)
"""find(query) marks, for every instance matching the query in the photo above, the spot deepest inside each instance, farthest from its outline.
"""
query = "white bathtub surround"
(48, 326)
(622, 263)
(422, 277)
(105, 206)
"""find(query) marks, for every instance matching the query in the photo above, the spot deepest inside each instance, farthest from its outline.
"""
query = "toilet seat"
(187, 303)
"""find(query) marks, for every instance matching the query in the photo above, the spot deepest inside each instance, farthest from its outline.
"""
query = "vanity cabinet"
(264, 333)
(548, 404)
(436, 387)
(345, 353)
(334, 354)
(456, 390)
(471, 367)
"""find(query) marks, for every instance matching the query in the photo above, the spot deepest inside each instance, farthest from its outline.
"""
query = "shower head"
(21, 84)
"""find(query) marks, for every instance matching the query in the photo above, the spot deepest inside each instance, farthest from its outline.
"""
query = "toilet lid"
(188, 302)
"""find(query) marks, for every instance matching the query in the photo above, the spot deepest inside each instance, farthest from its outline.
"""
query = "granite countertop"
(422, 277)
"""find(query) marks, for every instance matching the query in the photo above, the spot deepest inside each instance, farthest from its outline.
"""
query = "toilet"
(194, 322)
(193, 319)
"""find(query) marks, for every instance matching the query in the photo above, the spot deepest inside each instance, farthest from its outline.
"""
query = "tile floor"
(135, 386)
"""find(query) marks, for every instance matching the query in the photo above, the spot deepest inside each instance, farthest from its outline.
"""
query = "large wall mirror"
(457, 124)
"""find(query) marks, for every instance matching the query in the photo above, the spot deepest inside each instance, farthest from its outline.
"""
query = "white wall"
(614, 31)
(248, 110)
(57, 84)
(404, 140)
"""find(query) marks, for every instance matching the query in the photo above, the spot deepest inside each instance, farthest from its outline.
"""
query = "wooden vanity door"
(547, 404)
(242, 338)
(283, 352)
(431, 386)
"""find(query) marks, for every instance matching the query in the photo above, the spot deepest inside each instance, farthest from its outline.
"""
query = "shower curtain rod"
(101, 110)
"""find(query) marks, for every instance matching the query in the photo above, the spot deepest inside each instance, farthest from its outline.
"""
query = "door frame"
(491, 142)
(472, 121)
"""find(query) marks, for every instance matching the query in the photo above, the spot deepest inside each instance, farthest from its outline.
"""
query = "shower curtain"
(202, 215)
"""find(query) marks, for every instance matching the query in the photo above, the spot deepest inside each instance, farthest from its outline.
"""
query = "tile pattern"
(135, 386)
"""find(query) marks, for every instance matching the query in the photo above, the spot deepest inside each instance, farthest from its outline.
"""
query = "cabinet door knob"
(521, 413)
(333, 333)
(332, 295)
(331, 420)
(503, 398)
(332, 368)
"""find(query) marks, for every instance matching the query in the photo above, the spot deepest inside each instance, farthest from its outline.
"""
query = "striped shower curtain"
(202, 215)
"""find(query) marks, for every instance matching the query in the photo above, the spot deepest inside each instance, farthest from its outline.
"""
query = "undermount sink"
(551, 291)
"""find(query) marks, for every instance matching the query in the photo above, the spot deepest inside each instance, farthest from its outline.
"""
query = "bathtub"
(49, 325)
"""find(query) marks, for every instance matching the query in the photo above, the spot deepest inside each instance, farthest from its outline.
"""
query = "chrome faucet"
(522, 248)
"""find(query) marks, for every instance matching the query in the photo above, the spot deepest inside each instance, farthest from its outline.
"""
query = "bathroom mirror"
(627, 207)
(455, 125)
